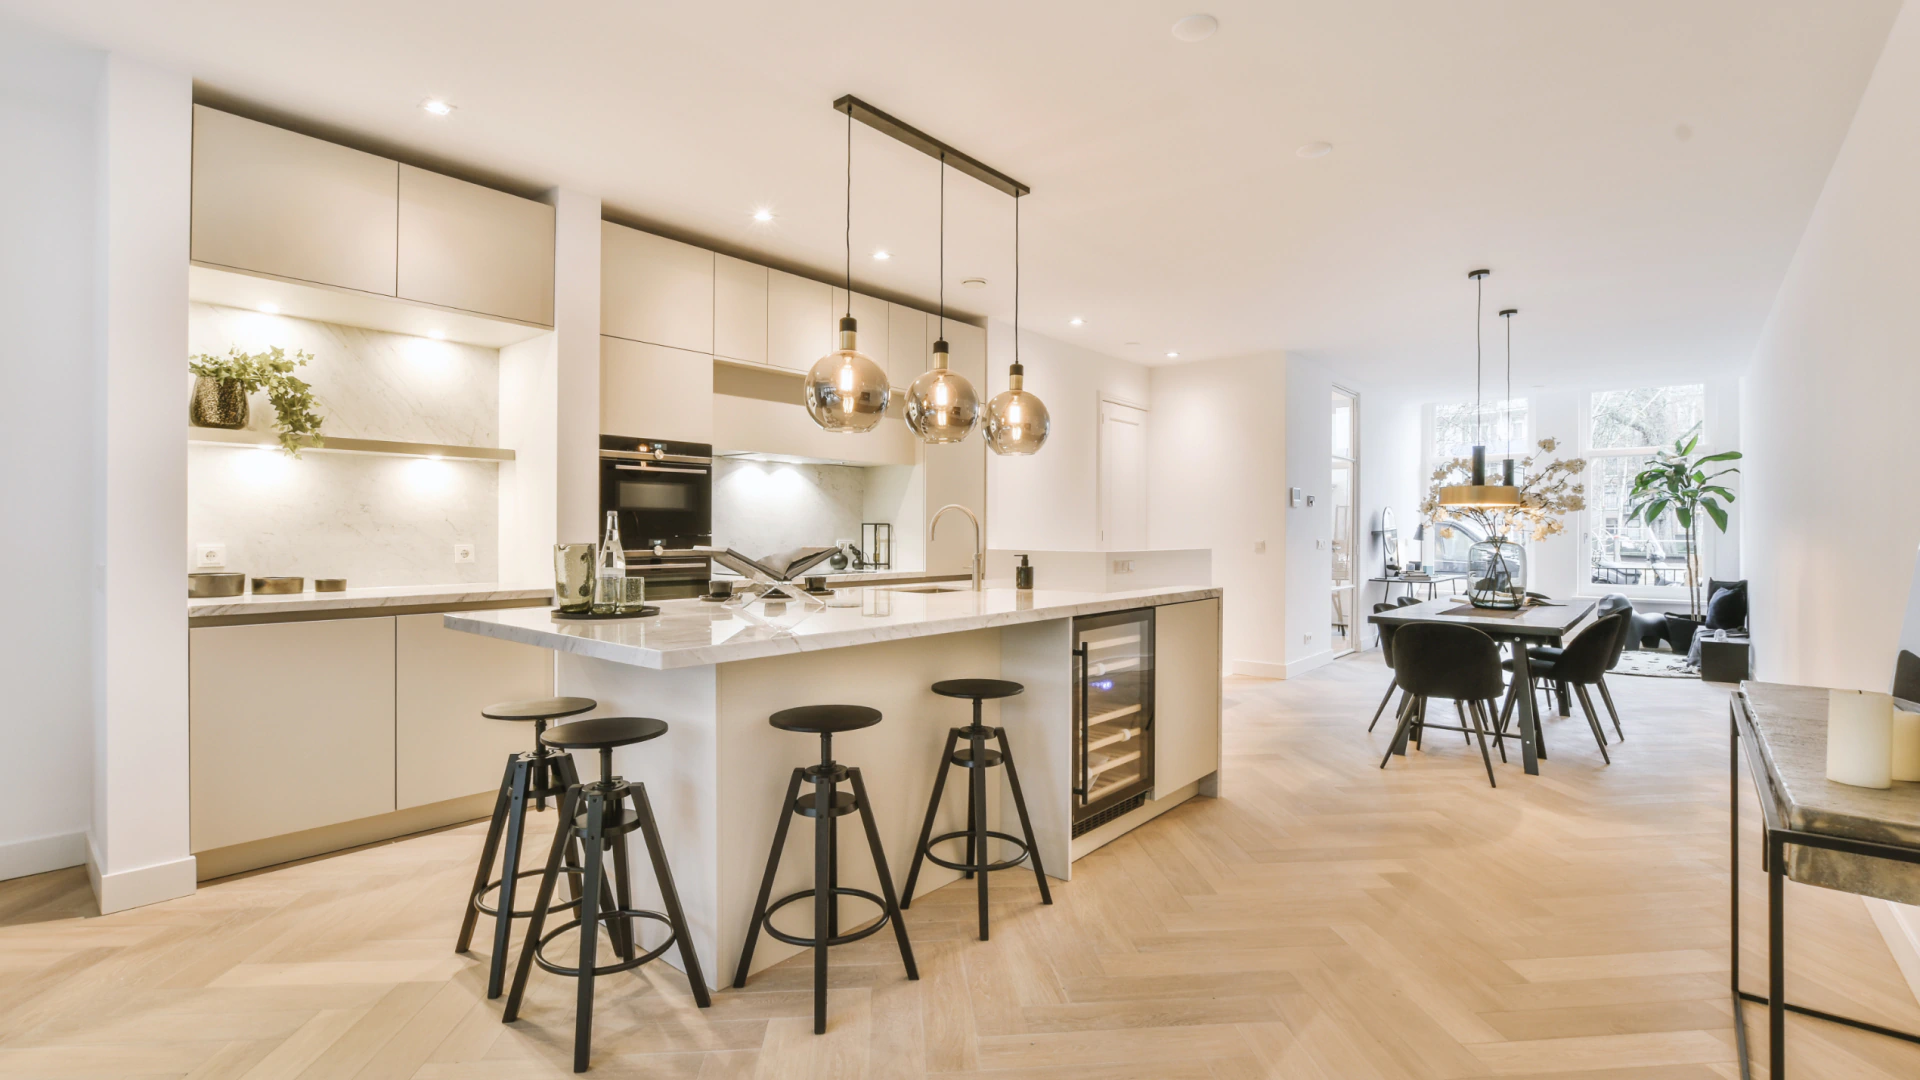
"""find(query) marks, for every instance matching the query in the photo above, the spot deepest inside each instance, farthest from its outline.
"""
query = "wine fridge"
(1112, 715)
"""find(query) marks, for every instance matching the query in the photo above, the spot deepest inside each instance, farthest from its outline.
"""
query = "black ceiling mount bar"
(929, 145)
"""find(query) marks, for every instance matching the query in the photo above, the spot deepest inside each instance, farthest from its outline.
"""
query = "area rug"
(1652, 664)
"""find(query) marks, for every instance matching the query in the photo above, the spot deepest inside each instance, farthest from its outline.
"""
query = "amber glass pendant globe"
(941, 405)
(1017, 423)
(845, 390)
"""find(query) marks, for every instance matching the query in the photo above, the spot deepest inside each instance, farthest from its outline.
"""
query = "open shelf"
(339, 445)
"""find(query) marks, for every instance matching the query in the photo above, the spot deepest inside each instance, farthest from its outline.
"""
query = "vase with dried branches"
(1550, 489)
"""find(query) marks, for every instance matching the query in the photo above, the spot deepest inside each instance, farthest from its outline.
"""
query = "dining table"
(1547, 623)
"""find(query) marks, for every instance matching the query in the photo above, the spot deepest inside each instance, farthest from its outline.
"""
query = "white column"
(139, 844)
(576, 327)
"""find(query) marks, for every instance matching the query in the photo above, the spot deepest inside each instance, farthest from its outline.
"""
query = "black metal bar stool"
(826, 805)
(598, 816)
(977, 759)
(536, 775)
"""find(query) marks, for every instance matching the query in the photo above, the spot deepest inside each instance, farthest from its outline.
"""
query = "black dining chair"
(1386, 653)
(1439, 660)
(1611, 604)
(1582, 663)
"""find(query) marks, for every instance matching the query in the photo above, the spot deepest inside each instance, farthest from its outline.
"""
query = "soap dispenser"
(1023, 575)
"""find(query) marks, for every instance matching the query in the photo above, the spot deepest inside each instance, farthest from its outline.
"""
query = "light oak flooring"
(1323, 919)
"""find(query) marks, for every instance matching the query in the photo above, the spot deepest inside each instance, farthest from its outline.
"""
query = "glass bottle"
(610, 575)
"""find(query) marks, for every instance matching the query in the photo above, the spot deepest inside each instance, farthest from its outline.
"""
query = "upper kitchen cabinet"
(653, 392)
(801, 324)
(870, 313)
(907, 344)
(473, 248)
(739, 310)
(275, 202)
(966, 352)
(655, 290)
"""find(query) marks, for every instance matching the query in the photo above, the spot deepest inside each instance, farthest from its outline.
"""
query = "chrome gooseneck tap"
(979, 552)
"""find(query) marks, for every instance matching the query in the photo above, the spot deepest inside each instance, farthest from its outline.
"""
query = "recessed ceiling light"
(1195, 28)
(1314, 149)
(763, 214)
(436, 107)
(883, 255)
(437, 335)
(270, 309)
(1173, 356)
(1683, 132)
(974, 282)
(1076, 321)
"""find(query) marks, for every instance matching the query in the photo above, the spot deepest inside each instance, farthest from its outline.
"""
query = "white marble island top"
(695, 633)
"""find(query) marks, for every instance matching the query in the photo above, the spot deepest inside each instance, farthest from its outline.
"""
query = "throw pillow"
(1727, 610)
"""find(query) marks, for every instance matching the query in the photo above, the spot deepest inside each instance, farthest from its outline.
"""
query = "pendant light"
(1478, 492)
(845, 390)
(1017, 422)
(941, 404)
(1507, 466)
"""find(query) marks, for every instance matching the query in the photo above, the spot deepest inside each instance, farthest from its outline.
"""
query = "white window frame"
(1709, 538)
(1430, 460)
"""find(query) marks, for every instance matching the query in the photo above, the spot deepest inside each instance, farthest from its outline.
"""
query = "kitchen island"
(717, 779)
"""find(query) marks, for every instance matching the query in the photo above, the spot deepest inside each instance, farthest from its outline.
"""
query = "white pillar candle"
(1906, 745)
(1860, 738)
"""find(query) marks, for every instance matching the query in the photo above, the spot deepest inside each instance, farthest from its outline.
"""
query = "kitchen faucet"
(979, 552)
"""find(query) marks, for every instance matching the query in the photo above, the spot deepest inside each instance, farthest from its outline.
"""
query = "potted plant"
(1548, 492)
(222, 384)
(1677, 480)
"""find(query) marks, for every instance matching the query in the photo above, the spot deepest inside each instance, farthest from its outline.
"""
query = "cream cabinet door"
(801, 322)
(870, 313)
(290, 727)
(652, 392)
(1186, 694)
(443, 748)
(967, 345)
(271, 201)
(739, 310)
(471, 247)
(655, 290)
(909, 349)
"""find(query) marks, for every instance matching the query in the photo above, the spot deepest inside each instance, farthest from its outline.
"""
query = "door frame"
(1354, 556)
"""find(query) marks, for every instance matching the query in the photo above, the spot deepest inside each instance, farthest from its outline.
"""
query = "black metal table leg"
(1529, 723)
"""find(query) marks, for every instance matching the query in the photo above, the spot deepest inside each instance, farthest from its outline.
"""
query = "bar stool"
(826, 805)
(977, 759)
(597, 816)
(536, 775)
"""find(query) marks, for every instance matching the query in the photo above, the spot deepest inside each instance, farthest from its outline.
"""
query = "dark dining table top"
(1548, 622)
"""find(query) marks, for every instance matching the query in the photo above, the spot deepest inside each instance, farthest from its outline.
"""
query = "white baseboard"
(22, 858)
(1308, 663)
(1900, 925)
(1258, 669)
(140, 886)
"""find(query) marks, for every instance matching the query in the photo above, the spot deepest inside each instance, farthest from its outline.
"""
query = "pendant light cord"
(943, 247)
(849, 211)
(1016, 279)
(1507, 406)
(1479, 315)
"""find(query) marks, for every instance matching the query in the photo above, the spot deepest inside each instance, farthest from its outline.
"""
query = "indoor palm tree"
(1677, 480)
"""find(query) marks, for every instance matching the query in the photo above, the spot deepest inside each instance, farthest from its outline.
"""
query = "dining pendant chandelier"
(941, 404)
(845, 390)
(1477, 492)
(1017, 421)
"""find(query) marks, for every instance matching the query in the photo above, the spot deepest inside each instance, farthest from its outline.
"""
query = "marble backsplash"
(372, 519)
(765, 507)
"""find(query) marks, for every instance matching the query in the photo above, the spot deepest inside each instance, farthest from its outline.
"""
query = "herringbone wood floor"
(1324, 919)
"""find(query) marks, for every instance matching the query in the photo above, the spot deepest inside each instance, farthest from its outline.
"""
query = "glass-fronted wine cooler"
(1112, 715)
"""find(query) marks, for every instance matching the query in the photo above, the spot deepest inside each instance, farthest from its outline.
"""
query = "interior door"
(1123, 477)
(1345, 545)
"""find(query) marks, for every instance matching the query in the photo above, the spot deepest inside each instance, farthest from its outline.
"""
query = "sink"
(928, 588)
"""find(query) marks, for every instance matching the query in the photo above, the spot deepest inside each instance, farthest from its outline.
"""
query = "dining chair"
(1611, 604)
(1457, 663)
(1582, 663)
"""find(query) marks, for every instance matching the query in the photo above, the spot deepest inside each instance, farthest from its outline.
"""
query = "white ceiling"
(1542, 139)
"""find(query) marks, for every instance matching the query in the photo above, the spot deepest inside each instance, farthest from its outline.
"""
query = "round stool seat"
(977, 688)
(605, 732)
(552, 708)
(825, 719)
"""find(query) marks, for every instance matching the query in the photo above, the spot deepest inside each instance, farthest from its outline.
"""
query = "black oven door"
(659, 502)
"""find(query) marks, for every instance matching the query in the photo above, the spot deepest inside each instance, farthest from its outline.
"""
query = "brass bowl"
(206, 584)
(329, 584)
(278, 586)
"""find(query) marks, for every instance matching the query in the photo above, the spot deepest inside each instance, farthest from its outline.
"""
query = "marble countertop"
(695, 633)
(360, 599)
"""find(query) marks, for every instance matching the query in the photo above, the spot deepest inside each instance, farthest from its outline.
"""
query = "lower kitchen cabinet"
(443, 747)
(1186, 694)
(290, 727)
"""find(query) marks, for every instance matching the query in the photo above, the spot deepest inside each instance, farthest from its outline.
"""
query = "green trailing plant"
(296, 417)
(1678, 480)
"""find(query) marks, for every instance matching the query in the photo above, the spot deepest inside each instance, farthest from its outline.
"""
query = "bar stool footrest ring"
(975, 868)
(539, 952)
(525, 913)
(777, 934)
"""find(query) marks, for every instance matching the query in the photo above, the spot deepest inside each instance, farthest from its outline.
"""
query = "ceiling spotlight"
(437, 335)
(1195, 28)
(763, 215)
(882, 255)
(270, 309)
(1076, 321)
(437, 107)
(1173, 356)
(1314, 149)
(974, 282)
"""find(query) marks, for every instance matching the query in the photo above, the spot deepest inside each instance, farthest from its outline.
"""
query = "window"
(1624, 429)
(1456, 428)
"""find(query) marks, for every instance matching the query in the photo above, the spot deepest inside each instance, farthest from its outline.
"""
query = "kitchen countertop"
(695, 633)
(384, 596)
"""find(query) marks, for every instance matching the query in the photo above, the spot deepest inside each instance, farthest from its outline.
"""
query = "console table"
(1815, 831)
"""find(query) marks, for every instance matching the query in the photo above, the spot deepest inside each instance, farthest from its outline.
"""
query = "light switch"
(210, 555)
(463, 553)
(1319, 545)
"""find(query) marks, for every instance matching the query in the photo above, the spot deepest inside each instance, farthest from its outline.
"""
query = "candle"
(1906, 745)
(1860, 738)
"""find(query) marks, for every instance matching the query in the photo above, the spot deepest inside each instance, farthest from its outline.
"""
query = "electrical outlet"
(463, 553)
(210, 555)
(1259, 547)
(1123, 566)
(1319, 545)
(1306, 639)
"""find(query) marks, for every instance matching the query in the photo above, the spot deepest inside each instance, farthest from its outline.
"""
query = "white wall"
(47, 433)
(1216, 479)
(1047, 501)
(1831, 519)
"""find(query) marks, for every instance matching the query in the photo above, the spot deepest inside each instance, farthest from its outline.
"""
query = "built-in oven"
(662, 492)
